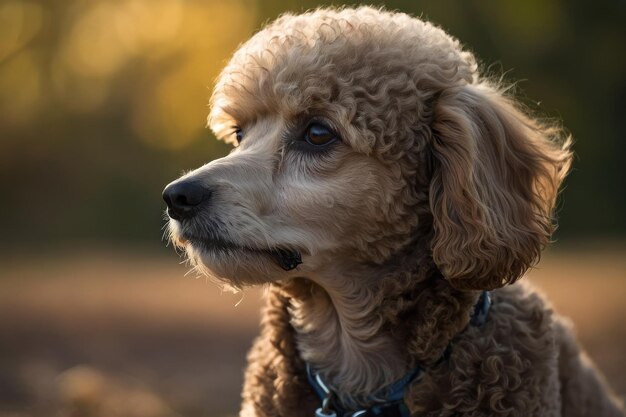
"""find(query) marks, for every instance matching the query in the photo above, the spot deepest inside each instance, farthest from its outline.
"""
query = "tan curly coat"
(440, 186)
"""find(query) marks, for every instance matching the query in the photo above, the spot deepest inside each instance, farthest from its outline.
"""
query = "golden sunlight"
(158, 58)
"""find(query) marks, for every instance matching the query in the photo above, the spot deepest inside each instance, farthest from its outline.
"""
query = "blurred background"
(103, 102)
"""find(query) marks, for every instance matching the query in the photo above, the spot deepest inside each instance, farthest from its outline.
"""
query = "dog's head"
(352, 130)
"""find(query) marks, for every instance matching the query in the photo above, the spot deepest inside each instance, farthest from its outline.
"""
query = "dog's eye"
(318, 135)
(238, 133)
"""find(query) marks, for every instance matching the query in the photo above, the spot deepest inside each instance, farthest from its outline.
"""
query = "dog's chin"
(235, 266)
(233, 263)
(238, 266)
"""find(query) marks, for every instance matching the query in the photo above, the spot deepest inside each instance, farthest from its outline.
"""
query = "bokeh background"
(103, 102)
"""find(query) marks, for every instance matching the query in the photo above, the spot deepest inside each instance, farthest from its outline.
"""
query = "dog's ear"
(495, 180)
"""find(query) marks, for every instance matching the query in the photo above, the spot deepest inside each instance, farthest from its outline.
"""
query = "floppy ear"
(495, 181)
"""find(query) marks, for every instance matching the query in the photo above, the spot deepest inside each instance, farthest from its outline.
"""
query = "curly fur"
(440, 187)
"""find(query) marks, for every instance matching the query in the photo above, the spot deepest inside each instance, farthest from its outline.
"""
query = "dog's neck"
(363, 332)
(340, 333)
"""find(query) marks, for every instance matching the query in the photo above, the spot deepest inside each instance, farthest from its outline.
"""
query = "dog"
(388, 195)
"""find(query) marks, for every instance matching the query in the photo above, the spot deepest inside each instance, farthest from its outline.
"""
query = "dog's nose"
(183, 198)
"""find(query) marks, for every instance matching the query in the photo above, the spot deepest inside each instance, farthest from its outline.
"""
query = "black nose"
(183, 198)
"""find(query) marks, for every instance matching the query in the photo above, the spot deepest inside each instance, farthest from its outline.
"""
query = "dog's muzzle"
(186, 198)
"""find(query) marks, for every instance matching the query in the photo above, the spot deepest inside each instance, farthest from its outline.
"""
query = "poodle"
(388, 195)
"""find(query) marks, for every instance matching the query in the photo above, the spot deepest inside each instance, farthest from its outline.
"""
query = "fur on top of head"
(427, 146)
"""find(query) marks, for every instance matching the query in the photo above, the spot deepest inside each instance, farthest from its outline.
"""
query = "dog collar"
(392, 404)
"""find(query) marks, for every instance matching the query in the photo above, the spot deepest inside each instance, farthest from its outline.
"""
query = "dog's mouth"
(286, 258)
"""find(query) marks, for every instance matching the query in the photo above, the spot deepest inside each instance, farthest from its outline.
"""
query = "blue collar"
(393, 403)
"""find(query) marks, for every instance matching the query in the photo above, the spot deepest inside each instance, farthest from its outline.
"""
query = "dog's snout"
(183, 198)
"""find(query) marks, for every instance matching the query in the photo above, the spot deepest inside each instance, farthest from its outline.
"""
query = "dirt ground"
(96, 334)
